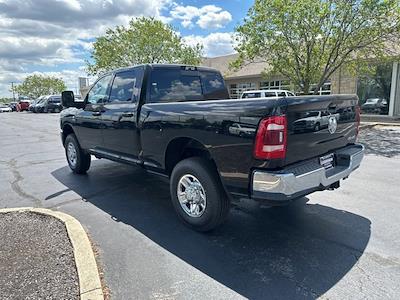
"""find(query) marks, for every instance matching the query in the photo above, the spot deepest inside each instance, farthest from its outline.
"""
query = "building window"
(285, 85)
(236, 89)
(268, 85)
(275, 85)
(325, 89)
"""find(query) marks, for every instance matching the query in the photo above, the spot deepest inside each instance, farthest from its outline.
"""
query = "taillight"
(358, 119)
(271, 138)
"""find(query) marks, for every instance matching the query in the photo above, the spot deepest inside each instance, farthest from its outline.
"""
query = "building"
(83, 84)
(250, 77)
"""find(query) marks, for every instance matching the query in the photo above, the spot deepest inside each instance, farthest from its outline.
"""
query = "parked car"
(13, 106)
(50, 103)
(241, 129)
(266, 94)
(375, 105)
(159, 117)
(33, 106)
(314, 120)
(5, 108)
(23, 105)
(34, 103)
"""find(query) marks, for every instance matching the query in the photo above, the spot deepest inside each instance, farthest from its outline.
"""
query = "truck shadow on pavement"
(298, 251)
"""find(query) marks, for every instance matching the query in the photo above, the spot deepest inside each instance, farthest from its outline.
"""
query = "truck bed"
(227, 129)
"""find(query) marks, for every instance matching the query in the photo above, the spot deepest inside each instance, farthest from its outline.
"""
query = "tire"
(316, 127)
(215, 204)
(79, 162)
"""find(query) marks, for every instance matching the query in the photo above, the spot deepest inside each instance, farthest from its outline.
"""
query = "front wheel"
(78, 159)
(197, 194)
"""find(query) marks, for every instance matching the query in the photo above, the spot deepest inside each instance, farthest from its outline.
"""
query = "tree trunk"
(306, 88)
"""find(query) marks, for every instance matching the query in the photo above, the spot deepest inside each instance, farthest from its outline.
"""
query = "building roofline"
(221, 56)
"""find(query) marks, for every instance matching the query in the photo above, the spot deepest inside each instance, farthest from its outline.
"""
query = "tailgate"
(319, 124)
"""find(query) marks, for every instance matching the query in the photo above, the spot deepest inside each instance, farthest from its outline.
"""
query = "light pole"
(12, 88)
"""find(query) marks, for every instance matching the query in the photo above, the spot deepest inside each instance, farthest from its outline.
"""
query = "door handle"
(96, 113)
(127, 115)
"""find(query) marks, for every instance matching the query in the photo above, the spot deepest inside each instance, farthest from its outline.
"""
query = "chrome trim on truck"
(287, 183)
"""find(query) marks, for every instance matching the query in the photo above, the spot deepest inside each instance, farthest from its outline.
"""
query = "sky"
(55, 37)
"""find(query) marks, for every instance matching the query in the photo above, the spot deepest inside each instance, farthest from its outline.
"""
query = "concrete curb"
(367, 126)
(89, 279)
(373, 124)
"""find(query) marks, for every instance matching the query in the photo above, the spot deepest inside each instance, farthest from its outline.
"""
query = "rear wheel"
(197, 194)
(78, 159)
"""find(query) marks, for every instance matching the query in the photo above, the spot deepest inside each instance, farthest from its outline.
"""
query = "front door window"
(99, 91)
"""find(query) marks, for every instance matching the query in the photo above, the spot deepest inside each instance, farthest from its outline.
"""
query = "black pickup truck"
(178, 121)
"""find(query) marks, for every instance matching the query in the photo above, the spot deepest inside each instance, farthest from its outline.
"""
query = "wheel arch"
(181, 148)
(66, 130)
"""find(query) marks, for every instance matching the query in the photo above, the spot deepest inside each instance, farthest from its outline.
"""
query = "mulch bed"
(36, 258)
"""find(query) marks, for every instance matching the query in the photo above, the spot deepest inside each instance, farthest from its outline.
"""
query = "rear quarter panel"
(209, 123)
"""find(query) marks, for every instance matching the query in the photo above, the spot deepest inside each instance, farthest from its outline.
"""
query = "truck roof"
(200, 68)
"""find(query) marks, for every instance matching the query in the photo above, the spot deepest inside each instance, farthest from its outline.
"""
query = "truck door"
(119, 117)
(88, 120)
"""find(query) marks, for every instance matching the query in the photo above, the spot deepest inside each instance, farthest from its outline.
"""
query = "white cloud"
(55, 33)
(84, 13)
(49, 34)
(70, 77)
(185, 13)
(215, 44)
(34, 49)
(208, 16)
(214, 20)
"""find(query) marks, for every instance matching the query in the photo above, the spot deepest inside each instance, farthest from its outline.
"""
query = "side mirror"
(68, 100)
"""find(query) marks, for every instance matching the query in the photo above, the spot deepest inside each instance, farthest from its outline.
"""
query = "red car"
(23, 105)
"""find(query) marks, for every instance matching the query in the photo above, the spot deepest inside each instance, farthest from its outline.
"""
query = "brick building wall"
(343, 83)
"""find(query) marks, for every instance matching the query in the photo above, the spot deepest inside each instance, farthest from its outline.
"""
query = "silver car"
(5, 108)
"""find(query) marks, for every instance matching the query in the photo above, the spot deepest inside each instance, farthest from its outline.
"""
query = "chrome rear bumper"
(305, 177)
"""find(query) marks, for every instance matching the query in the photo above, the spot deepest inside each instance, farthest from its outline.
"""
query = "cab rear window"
(178, 84)
(213, 86)
(171, 85)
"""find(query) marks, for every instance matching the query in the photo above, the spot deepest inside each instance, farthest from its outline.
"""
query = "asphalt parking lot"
(338, 245)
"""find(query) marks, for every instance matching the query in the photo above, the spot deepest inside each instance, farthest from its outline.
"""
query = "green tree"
(309, 40)
(145, 40)
(5, 100)
(37, 85)
(375, 81)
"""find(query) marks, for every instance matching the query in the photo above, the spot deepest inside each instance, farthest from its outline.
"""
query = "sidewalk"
(379, 120)
(380, 139)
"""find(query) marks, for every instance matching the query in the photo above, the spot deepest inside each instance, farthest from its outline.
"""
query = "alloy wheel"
(191, 196)
(71, 154)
